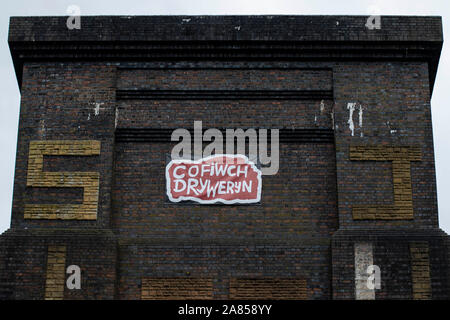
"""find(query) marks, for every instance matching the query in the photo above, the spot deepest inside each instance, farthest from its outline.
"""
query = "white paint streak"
(361, 120)
(332, 116)
(42, 128)
(332, 119)
(97, 107)
(363, 259)
(116, 119)
(351, 108)
(360, 116)
(322, 106)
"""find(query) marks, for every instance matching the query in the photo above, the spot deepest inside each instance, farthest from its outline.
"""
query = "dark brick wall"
(222, 28)
(396, 111)
(90, 84)
(57, 103)
(300, 200)
(392, 254)
(23, 263)
(224, 261)
(297, 203)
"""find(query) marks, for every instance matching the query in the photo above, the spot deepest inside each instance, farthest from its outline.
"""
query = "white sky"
(9, 92)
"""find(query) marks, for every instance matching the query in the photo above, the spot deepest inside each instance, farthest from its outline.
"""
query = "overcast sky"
(10, 97)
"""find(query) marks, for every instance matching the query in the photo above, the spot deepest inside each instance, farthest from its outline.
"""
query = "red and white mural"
(219, 178)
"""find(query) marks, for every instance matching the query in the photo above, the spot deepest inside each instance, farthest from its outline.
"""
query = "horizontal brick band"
(224, 94)
(223, 77)
(285, 135)
(385, 153)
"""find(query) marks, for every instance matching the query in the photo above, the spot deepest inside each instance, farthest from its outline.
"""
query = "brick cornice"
(244, 38)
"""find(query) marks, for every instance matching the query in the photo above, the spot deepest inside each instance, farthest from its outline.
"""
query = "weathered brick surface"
(142, 258)
(59, 102)
(391, 252)
(222, 79)
(141, 207)
(363, 259)
(420, 268)
(24, 262)
(176, 289)
(403, 90)
(375, 184)
(55, 273)
(263, 27)
(271, 289)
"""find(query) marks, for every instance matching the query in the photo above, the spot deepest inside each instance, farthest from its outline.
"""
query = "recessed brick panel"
(223, 79)
(176, 289)
(268, 289)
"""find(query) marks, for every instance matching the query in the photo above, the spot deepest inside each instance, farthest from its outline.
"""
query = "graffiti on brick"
(226, 179)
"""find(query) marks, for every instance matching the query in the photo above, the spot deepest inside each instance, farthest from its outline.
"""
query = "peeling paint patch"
(351, 108)
(332, 116)
(116, 118)
(97, 107)
(391, 128)
(238, 28)
(332, 119)
(186, 20)
(363, 259)
(322, 107)
(361, 119)
(360, 116)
